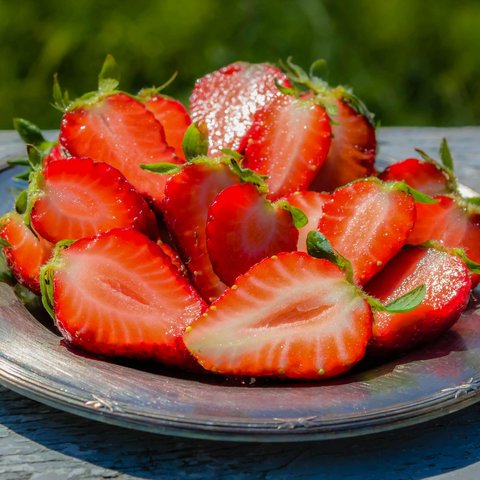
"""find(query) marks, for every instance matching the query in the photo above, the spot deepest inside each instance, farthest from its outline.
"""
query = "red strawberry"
(174, 258)
(419, 174)
(243, 228)
(311, 204)
(368, 223)
(188, 195)
(450, 222)
(352, 152)
(447, 285)
(54, 154)
(227, 99)
(25, 253)
(288, 141)
(117, 294)
(291, 315)
(174, 118)
(79, 198)
(119, 130)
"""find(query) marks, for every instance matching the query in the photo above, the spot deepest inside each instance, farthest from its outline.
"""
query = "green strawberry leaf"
(164, 168)
(46, 287)
(4, 243)
(446, 156)
(109, 76)
(298, 217)
(23, 176)
(232, 153)
(405, 303)
(146, 93)
(61, 100)
(21, 161)
(21, 202)
(195, 141)
(35, 157)
(246, 175)
(28, 132)
(416, 194)
(5, 273)
(319, 246)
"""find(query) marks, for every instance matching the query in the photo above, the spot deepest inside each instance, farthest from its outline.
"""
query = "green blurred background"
(413, 62)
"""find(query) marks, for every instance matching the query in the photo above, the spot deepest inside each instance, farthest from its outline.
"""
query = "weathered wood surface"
(40, 443)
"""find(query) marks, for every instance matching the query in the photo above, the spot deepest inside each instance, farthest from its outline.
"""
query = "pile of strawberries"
(250, 236)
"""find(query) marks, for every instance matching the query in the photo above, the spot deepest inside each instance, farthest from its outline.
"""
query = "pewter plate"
(436, 380)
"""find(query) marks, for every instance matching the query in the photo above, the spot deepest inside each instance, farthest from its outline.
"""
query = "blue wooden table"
(41, 443)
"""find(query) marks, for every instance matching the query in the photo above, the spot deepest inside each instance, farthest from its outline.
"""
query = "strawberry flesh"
(423, 176)
(81, 198)
(311, 204)
(352, 151)
(291, 315)
(120, 131)
(117, 294)
(174, 118)
(26, 252)
(447, 284)
(188, 195)
(288, 141)
(243, 228)
(368, 223)
(227, 99)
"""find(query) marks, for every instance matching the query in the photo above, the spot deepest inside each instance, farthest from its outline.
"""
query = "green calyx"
(299, 219)
(418, 196)
(146, 93)
(47, 273)
(324, 95)
(319, 246)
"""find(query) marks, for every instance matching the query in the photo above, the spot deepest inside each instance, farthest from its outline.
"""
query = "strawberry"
(353, 146)
(311, 204)
(288, 141)
(290, 315)
(76, 198)
(174, 257)
(419, 174)
(352, 151)
(368, 223)
(227, 99)
(453, 223)
(447, 286)
(243, 228)
(54, 154)
(117, 294)
(24, 252)
(188, 195)
(174, 118)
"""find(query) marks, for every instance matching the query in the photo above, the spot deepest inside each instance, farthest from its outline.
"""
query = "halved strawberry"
(117, 294)
(288, 141)
(451, 222)
(188, 195)
(352, 151)
(290, 315)
(227, 99)
(174, 118)
(77, 198)
(419, 174)
(447, 284)
(119, 130)
(243, 228)
(24, 252)
(368, 223)
(311, 204)
(174, 257)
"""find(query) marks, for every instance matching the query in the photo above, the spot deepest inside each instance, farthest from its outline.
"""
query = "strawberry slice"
(290, 315)
(311, 204)
(288, 141)
(188, 195)
(243, 228)
(447, 285)
(419, 174)
(24, 252)
(227, 99)
(119, 130)
(174, 118)
(368, 223)
(117, 294)
(352, 152)
(451, 222)
(77, 198)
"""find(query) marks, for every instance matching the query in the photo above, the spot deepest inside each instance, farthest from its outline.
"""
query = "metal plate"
(430, 382)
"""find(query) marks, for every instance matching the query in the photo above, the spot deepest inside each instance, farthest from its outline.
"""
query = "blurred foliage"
(413, 62)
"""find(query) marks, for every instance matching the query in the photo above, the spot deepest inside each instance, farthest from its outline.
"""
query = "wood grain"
(40, 443)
